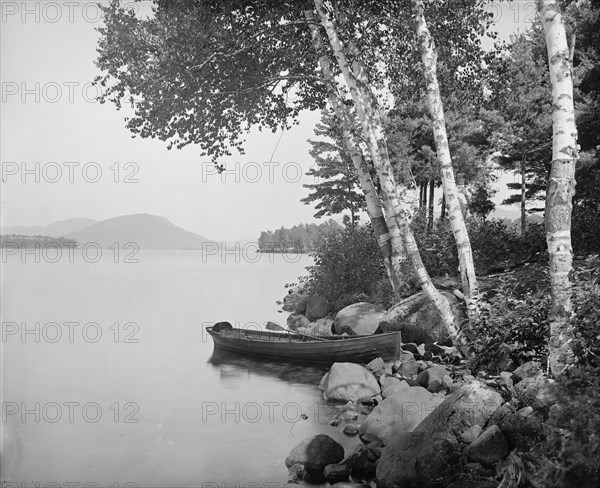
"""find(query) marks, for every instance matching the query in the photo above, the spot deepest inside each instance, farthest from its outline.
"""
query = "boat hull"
(293, 347)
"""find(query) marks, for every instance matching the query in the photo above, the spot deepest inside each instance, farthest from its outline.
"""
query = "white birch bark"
(374, 135)
(436, 111)
(561, 187)
(392, 257)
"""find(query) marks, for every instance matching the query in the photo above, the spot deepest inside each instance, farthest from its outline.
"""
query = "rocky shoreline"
(427, 421)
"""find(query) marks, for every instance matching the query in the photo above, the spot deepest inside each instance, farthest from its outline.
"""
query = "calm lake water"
(109, 377)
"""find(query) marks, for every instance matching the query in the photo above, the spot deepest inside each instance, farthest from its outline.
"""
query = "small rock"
(471, 433)
(501, 412)
(521, 432)
(433, 378)
(366, 400)
(538, 391)
(392, 385)
(408, 366)
(315, 452)
(297, 320)
(335, 422)
(295, 303)
(349, 381)
(507, 364)
(558, 416)
(489, 448)
(376, 366)
(347, 415)
(351, 430)
(528, 370)
(317, 307)
(434, 349)
(411, 347)
(336, 472)
(525, 411)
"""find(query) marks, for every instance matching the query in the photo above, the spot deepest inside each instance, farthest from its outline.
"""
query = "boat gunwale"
(311, 339)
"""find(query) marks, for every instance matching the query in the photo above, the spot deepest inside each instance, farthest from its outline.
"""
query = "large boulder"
(317, 307)
(348, 382)
(297, 320)
(472, 404)
(416, 459)
(295, 303)
(419, 320)
(315, 452)
(360, 318)
(399, 413)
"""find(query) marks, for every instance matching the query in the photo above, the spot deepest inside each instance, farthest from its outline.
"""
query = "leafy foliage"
(349, 268)
(510, 326)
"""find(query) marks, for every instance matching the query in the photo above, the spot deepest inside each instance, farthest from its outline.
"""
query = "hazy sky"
(64, 155)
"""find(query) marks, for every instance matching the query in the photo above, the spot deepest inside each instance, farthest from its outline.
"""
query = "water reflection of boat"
(296, 347)
(234, 365)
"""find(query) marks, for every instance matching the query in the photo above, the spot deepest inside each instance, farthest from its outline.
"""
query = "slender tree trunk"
(561, 187)
(523, 198)
(436, 110)
(431, 197)
(388, 237)
(421, 196)
(374, 135)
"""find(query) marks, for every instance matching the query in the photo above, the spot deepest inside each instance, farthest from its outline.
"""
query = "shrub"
(349, 268)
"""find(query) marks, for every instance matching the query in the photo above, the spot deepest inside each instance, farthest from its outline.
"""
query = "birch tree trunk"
(561, 187)
(523, 198)
(386, 238)
(374, 136)
(436, 111)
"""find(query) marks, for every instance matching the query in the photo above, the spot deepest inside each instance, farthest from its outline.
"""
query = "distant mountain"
(144, 230)
(56, 229)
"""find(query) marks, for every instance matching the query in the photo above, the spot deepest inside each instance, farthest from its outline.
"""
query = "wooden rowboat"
(290, 346)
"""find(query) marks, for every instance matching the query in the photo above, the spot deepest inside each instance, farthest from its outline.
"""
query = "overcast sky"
(89, 166)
